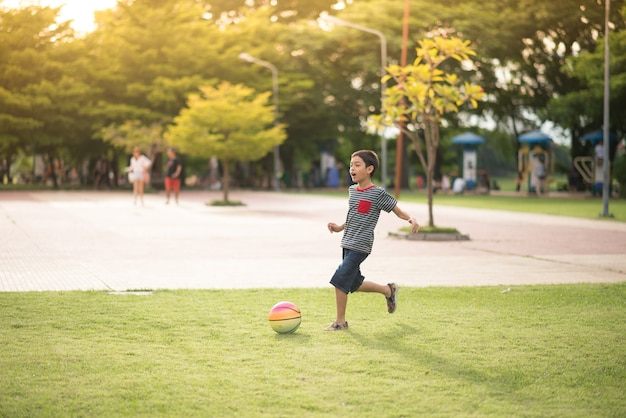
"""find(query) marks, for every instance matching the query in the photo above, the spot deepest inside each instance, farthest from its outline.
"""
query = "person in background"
(138, 173)
(599, 153)
(172, 175)
(539, 169)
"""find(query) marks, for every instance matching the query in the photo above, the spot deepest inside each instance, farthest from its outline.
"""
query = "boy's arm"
(333, 227)
(403, 215)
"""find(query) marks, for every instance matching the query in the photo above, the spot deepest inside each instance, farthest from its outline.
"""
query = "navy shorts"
(348, 276)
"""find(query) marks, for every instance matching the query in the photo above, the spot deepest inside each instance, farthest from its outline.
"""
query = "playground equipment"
(535, 160)
(469, 142)
(591, 168)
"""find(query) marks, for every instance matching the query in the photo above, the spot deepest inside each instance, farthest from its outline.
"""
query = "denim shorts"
(348, 276)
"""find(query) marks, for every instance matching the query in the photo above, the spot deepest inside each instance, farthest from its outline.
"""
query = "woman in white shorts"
(138, 173)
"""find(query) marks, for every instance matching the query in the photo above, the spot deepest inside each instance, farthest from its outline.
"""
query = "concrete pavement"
(56, 240)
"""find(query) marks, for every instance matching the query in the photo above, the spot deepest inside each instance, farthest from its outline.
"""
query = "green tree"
(227, 11)
(349, 77)
(524, 47)
(584, 107)
(299, 50)
(41, 97)
(230, 122)
(424, 94)
(145, 58)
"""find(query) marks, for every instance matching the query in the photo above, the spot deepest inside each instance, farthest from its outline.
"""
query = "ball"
(285, 317)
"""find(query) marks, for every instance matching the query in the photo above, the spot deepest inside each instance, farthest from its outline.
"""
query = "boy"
(365, 202)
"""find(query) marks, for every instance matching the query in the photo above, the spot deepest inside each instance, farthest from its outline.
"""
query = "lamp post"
(249, 58)
(383, 86)
(606, 183)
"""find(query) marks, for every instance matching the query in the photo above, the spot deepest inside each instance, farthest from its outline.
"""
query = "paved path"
(100, 241)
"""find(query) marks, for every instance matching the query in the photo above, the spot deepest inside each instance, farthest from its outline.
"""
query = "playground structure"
(469, 143)
(591, 168)
(535, 161)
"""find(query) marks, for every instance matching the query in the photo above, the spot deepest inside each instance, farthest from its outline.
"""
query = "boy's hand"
(333, 227)
(414, 225)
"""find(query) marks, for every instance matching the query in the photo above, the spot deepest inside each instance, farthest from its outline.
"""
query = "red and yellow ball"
(285, 317)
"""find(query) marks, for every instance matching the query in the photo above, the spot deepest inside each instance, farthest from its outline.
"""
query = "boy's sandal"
(337, 327)
(392, 300)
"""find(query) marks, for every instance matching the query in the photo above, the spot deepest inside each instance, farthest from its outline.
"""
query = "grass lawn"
(577, 207)
(589, 208)
(533, 351)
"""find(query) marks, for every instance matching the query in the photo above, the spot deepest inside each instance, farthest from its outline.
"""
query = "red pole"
(399, 142)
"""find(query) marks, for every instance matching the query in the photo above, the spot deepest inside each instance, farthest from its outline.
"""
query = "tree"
(423, 94)
(230, 122)
(584, 107)
(523, 46)
(40, 98)
(145, 58)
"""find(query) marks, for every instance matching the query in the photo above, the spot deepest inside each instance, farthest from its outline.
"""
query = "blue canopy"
(535, 137)
(598, 135)
(468, 138)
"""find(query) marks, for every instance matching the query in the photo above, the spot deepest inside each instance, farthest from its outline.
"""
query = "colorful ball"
(285, 317)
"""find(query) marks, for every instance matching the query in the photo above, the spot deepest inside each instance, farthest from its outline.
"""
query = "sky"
(79, 11)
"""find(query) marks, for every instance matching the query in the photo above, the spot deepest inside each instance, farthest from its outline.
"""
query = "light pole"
(383, 85)
(606, 183)
(249, 58)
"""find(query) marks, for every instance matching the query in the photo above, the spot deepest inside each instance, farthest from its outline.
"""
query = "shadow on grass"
(394, 339)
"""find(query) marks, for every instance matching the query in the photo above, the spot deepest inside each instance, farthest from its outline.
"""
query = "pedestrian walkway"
(59, 240)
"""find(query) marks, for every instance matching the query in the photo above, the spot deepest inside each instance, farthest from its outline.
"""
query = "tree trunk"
(225, 179)
(53, 172)
(426, 165)
(6, 167)
(431, 153)
(429, 187)
(431, 136)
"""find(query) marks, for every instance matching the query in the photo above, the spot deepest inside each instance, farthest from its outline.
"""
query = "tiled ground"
(101, 241)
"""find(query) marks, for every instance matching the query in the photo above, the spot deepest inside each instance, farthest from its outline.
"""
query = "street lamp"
(383, 87)
(249, 58)
(606, 183)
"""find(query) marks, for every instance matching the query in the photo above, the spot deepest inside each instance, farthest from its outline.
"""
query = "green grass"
(589, 208)
(534, 351)
(577, 207)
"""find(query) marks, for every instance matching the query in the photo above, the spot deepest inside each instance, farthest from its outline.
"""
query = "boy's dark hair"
(369, 157)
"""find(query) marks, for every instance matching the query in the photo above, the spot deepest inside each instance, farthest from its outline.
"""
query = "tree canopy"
(424, 94)
(66, 96)
(230, 122)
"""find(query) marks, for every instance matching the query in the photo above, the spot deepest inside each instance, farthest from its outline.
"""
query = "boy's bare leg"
(341, 300)
(372, 287)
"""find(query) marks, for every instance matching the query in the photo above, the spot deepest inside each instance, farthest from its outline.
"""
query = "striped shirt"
(363, 213)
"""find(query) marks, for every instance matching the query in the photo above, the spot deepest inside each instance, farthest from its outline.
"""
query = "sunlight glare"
(80, 12)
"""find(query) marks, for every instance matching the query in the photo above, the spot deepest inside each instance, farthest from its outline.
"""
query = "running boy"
(365, 202)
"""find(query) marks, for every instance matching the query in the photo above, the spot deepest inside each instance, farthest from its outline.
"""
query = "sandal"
(392, 300)
(337, 327)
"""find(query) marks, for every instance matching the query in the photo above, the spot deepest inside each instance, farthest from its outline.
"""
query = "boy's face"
(358, 171)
